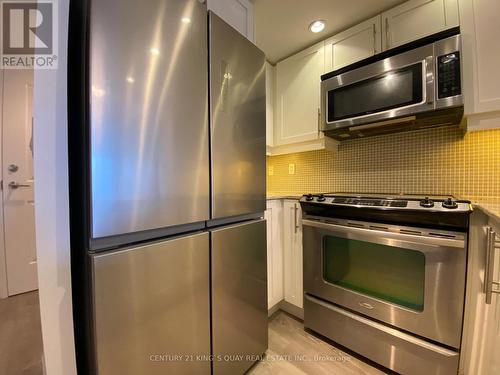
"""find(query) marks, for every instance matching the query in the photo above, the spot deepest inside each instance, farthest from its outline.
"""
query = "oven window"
(389, 273)
(395, 89)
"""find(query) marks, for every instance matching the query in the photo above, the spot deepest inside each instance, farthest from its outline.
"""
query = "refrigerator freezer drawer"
(394, 349)
(239, 296)
(238, 122)
(151, 304)
(148, 115)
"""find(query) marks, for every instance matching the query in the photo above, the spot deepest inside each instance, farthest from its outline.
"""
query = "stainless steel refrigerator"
(166, 106)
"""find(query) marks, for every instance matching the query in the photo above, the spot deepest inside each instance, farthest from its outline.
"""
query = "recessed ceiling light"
(186, 20)
(154, 51)
(130, 79)
(317, 26)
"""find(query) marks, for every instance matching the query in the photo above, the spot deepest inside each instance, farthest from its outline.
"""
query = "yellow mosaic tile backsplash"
(432, 161)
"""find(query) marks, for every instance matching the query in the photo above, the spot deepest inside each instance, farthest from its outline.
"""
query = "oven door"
(397, 86)
(410, 281)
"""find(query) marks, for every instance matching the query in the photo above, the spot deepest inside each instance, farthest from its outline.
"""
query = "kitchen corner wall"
(432, 161)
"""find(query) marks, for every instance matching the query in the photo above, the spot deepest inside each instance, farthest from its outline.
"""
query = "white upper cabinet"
(480, 29)
(297, 96)
(416, 19)
(355, 44)
(270, 89)
(237, 13)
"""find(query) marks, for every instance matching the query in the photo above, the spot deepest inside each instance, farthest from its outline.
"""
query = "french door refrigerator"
(166, 108)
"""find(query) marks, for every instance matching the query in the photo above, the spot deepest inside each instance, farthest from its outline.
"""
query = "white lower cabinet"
(274, 217)
(292, 246)
(284, 255)
(481, 335)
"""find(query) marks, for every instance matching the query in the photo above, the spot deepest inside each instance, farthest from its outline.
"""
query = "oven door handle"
(360, 231)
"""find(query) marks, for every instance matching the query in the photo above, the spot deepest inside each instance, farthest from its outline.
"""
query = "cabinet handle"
(296, 226)
(387, 33)
(374, 40)
(319, 120)
(491, 246)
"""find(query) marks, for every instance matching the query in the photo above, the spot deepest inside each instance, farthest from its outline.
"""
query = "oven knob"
(309, 197)
(321, 198)
(427, 203)
(450, 203)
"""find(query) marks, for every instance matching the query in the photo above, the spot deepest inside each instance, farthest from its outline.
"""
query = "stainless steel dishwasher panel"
(239, 296)
(151, 303)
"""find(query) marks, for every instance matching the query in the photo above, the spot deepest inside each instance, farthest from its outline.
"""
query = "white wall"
(51, 210)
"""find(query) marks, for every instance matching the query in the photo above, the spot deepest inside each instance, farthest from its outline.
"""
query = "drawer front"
(387, 346)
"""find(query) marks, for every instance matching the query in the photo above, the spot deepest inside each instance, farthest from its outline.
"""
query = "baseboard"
(273, 309)
(292, 309)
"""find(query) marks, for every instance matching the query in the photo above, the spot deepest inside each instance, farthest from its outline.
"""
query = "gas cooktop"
(436, 203)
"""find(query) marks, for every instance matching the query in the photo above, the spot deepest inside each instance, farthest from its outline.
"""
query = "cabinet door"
(355, 44)
(292, 249)
(298, 93)
(237, 13)
(481, 337)
(274, 219)
(480, 28)
(417, 18)
(270, 85)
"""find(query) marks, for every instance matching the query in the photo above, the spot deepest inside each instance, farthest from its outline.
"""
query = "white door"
(298, 91)
(274, 219)
(481, 337)
(17, 183)
(417, 18)
(354, 44)
(292, 249)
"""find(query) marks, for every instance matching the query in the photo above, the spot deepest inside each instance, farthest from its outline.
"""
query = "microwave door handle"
(428, 80)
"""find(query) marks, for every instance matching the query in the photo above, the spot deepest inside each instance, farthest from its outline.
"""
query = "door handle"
(491, 247)
(14, 185)
(387, 42)
(296, 226)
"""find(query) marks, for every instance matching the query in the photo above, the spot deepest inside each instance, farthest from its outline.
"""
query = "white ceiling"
(282, 26)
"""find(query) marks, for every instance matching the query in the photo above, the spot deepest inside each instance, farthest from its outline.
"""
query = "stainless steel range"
(385, 276)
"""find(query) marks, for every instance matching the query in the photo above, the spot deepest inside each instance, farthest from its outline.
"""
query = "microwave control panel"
(449, 82)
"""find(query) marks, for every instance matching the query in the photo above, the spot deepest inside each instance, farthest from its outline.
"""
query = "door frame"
(3, 266)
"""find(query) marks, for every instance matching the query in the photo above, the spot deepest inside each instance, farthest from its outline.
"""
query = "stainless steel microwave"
(404, 89)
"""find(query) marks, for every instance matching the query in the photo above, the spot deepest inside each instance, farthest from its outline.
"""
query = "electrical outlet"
(291, 168)
(270, 170)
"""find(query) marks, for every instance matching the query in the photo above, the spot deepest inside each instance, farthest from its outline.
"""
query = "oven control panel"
(415, 203)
